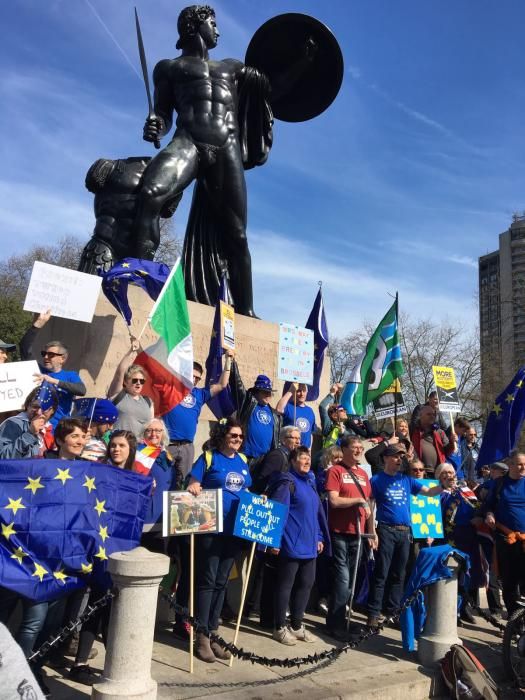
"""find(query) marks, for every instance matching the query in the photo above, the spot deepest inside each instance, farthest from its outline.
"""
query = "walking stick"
(354, 573)
(192, 575)
(243, 596)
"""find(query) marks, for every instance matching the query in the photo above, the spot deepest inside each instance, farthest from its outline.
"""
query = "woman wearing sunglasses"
(134, 410)
(215, 554)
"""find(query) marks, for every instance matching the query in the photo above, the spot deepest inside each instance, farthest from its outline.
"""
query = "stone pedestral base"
(127, 668)
(441, 628)
(97, 348)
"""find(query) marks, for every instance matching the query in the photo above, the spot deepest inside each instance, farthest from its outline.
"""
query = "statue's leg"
(166, 176)
(227, 188)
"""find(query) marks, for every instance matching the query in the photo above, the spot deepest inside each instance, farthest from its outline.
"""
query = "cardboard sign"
(391, 403)
(16, 382)
(258, 520)
(68, 293)
(227, 326)
(296, 354)
(447, 392)
(185, 514)
(425, 514)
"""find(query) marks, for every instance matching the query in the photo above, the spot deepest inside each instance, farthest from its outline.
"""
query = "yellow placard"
(394, 388)
(227, 326)
(444, 377)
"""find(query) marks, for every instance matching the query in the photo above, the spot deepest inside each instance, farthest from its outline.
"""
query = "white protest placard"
(296, 354)
(16, 382)
(68, 293)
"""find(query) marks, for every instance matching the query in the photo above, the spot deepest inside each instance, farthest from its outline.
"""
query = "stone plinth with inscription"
(96, 348)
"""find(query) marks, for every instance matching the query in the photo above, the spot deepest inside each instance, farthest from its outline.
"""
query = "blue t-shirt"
(65, 399)
(509, 509)
(304, 421)
(392, 496)
(231, 474)
(259, 433)
(182, 420)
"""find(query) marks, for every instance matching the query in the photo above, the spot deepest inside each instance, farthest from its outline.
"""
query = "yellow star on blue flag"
(52, 540)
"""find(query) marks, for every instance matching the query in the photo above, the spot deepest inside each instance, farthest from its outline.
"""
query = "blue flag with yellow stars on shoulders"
(148, 275)
(504, 423)
(60, 520)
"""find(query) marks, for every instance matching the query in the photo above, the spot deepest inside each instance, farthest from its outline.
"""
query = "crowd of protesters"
(346, 507)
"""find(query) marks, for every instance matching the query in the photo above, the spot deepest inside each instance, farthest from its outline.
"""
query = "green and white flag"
(379, 365)
(169, 362)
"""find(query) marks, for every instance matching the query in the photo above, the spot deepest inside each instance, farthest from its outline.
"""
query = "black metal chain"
(68, 629)
(328, 655)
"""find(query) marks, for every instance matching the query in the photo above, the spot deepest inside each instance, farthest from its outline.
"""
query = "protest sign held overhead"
(227, 326)
(296, 354)
(425, 514)
(67, 293)
(186, 514)
(445, 381)
(260, 520)
(391, 403)
(16, 381)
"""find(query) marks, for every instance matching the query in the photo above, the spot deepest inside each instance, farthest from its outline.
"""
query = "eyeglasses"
(235, 436)
(154, 430)
(46, 353)
(138, 381)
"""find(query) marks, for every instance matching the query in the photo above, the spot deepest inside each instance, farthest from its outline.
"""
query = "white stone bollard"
(441, 627)
(127, 669)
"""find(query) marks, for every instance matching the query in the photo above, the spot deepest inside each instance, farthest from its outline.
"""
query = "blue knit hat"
(98, 410)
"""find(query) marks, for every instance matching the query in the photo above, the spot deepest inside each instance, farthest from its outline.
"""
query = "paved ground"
(379, 669)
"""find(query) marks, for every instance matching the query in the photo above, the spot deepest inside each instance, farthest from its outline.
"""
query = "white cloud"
(286, 273)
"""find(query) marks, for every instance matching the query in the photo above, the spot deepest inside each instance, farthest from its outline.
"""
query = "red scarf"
(436, 439)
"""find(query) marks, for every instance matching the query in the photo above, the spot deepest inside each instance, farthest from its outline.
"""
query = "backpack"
(466, 677)
(260, 481)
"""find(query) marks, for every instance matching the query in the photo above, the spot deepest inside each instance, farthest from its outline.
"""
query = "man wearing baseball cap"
(391, 491)
(4, 349)
(261, 423)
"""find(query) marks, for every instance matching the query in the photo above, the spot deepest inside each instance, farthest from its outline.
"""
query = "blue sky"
(400, 185)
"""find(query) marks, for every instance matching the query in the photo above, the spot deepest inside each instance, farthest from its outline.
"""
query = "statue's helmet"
(190, 20)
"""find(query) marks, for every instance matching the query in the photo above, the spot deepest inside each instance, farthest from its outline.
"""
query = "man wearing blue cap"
(261, 423)
(102, 415)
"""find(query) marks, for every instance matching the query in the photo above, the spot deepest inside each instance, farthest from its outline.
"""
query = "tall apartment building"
(502, 310)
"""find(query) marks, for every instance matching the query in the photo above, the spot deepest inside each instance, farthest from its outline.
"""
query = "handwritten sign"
(227, 326)
(68, 293)
(445, 381)
(296, 354)
(258, 520)
(16, 382)
(425, 512)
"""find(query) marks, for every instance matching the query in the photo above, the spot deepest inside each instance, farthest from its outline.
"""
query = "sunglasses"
(46, 353)
(417, 469)
(138, 381)
(235, 436)
(196, 378)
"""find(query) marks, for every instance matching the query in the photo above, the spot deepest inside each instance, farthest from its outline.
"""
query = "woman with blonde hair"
(126, 392)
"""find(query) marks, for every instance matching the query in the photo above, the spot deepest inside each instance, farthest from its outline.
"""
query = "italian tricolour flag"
(169, 362)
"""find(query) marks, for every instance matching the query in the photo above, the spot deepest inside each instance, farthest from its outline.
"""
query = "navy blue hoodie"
(306, 523)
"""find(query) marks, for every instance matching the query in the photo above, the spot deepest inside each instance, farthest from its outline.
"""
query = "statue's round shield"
(303, 62)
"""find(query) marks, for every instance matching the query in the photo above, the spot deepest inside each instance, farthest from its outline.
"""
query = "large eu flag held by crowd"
(60, 520)
(504, 423)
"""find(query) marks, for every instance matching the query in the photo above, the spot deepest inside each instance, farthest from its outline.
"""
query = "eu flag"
(60, 520)
(316, 323)
(504, 423)
(221, 405)
(148, 275)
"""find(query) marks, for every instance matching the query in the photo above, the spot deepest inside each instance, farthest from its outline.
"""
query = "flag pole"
(243, 597)
(158, 299)
(395, 387)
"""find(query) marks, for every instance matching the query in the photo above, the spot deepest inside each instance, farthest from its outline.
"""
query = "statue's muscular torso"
(204, 95)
